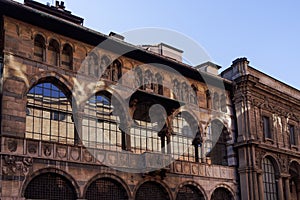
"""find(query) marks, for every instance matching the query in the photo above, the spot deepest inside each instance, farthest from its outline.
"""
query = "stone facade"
(267, 114)
(44, 153)
(114, 121)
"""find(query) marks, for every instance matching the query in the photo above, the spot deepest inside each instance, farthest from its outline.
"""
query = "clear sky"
(267, 32)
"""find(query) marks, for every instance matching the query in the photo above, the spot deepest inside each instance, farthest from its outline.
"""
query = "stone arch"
(189, 112)
(226, 188)
(116, 70)
(222, 120)
(271, 173)
(67, 55)
(113, 177)
(70, 44)
(159, 183)
(53, 37)
(60, 172)
(35, 33)
(216, 142)
(44, 76)
(110, 92)
(193, 183)
(274, 161)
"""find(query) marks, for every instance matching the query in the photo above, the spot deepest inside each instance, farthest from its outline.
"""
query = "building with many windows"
(88, 116)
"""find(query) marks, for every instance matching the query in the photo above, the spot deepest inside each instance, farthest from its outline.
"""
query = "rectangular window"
(292, 135)
(266, 127)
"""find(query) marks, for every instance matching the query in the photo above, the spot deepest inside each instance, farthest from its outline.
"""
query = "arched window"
(106, 189)
(189, 192)
(100, 127)
(185, 92)
(116, 71)
(223, 103)
(50, 186)
(176, 90)
(158, 86)
(269, 179)
(221, 194)
(53, 52)
(94, 69)
(216, 101)
(144, 133)
(105, 67)
(148, 81)
(139, 78)
(67, 56)
(39, 48)
(182, 141)
(193, 95)
(49, 114)
(151, 190)
(208, 99)
(216, 143)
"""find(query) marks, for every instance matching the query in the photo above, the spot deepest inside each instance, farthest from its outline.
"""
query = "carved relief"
(12, 145)
(186, 168)
(259, 154)
(16, 165)
(178, 167)
(47, 150)
(283, 161)
(61, 152)
(32, 148)
(75, 154)
(195, 169)
(87, 156)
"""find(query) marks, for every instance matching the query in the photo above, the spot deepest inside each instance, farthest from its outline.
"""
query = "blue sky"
(266, 32)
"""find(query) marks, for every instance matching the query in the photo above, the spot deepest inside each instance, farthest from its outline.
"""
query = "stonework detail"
(16, 165)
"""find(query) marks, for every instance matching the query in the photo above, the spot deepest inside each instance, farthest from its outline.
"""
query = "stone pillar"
(280, 189)
(287, 188)
(297, 182)
(260, 185)
(255, 185)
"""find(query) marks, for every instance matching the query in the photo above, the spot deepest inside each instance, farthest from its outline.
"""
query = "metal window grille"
(151, 191)
(100, 128)
(49, 115)
(189, 192)
(106, 189)
(217, 143)
(181, 141)
(269, 181)
(221, 194)
(144, 137)
(50, 186)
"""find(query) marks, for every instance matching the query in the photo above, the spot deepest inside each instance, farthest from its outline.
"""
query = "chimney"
(116, 35)
(209, 67)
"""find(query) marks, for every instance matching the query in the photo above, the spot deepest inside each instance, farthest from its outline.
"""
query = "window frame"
(267, 133)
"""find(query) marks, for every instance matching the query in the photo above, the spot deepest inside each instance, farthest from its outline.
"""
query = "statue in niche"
(176, 89)
(104, 65)
(148, 80)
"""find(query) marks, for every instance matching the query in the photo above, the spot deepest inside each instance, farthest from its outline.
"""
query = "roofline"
(35, 17)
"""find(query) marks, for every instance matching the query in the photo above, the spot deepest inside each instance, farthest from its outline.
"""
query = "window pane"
(50, 114)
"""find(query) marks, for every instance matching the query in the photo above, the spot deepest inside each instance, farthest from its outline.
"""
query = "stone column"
(280, 188)
(297, 182)
(260, 185)
(287, 188)
(255, 185)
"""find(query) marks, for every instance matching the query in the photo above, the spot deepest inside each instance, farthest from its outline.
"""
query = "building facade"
(88, 116)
